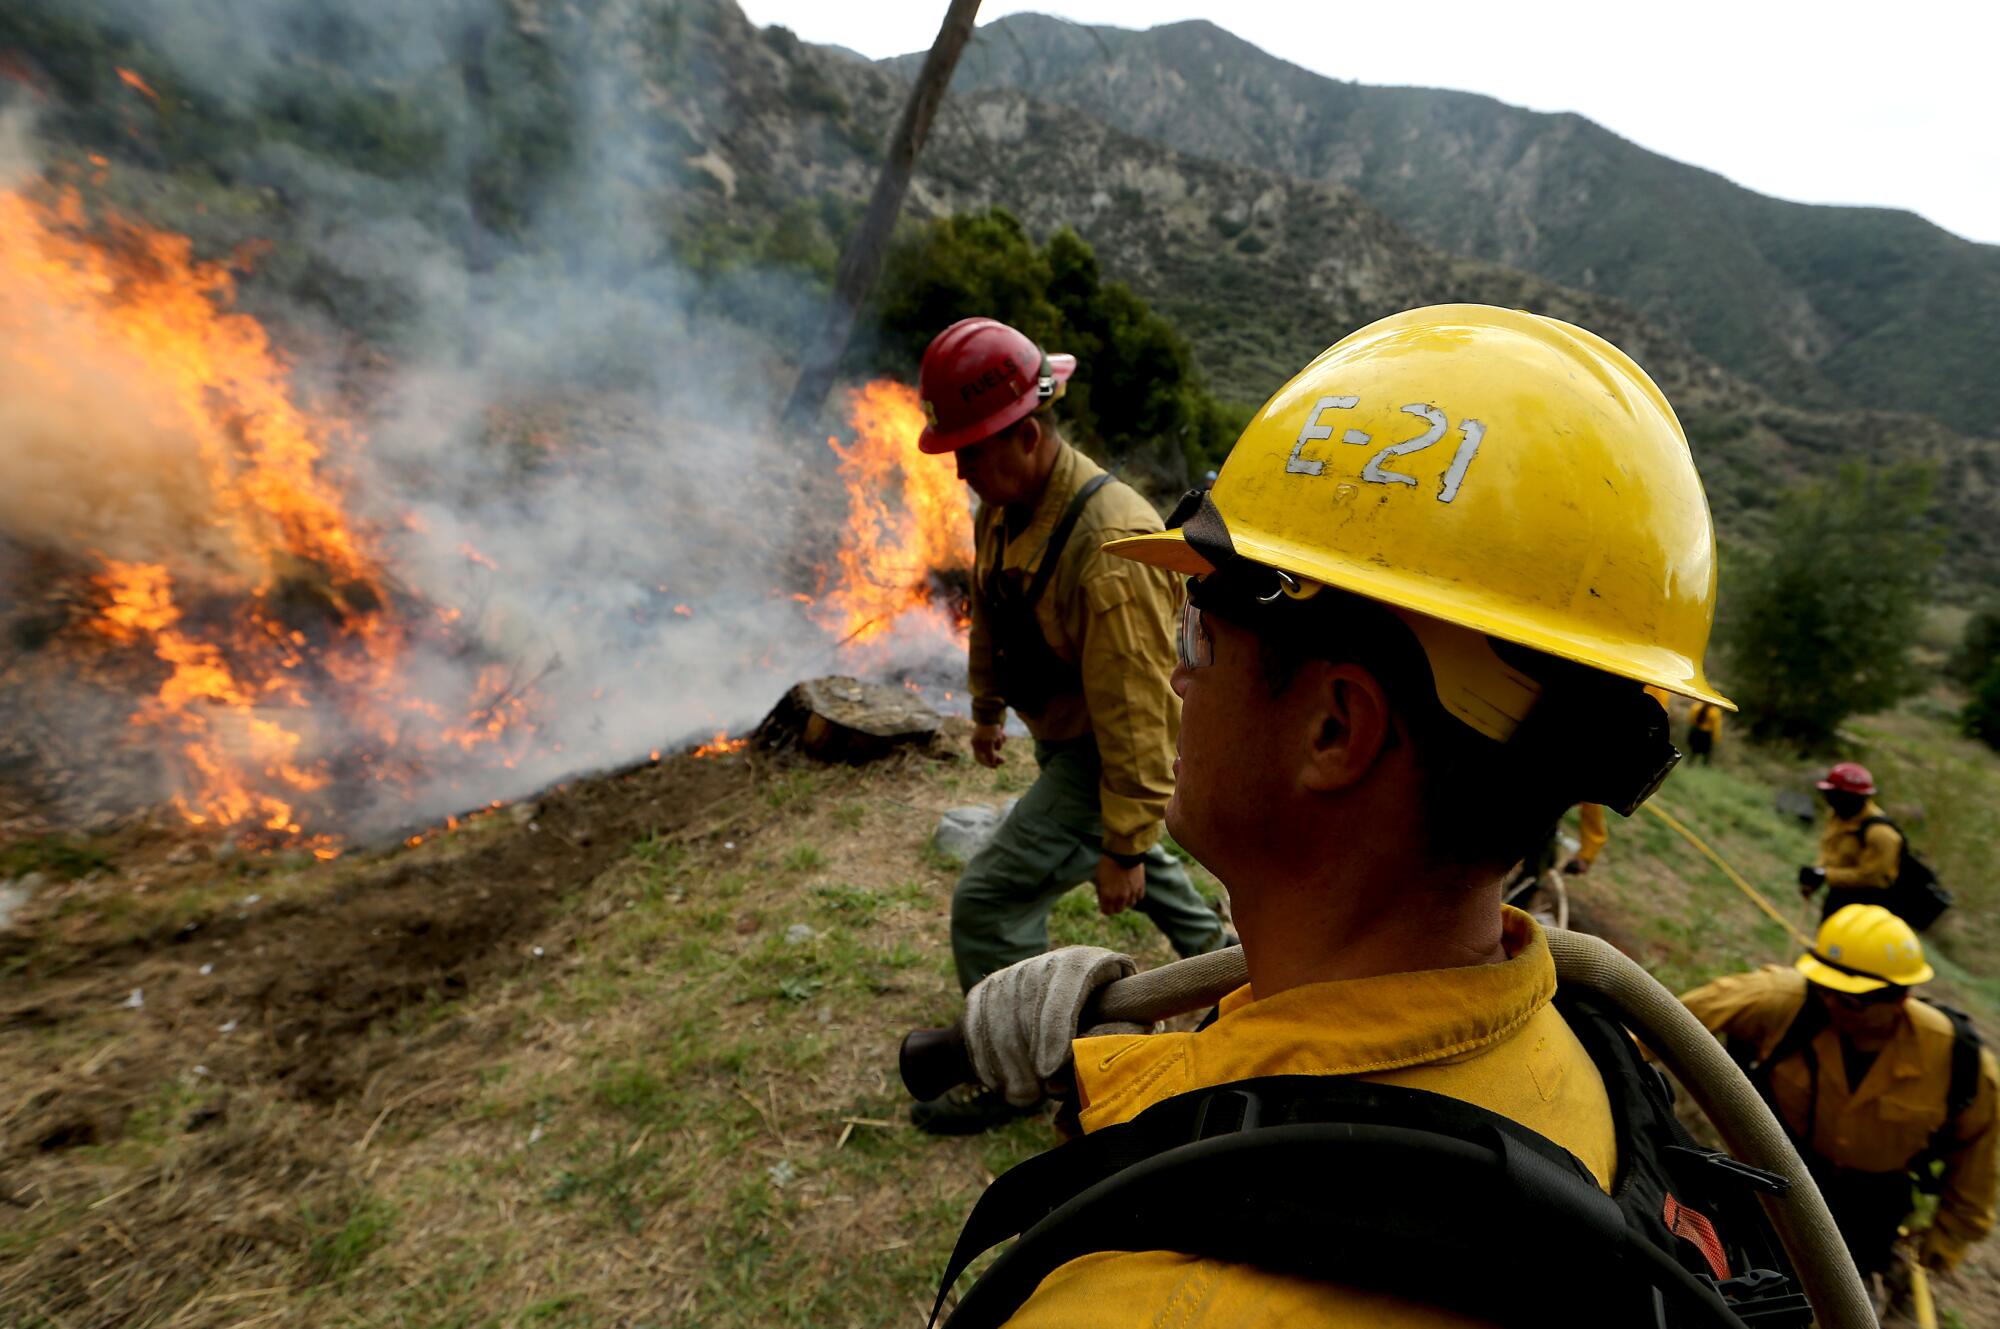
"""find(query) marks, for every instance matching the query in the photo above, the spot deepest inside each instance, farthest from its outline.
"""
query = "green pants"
(1049, 844)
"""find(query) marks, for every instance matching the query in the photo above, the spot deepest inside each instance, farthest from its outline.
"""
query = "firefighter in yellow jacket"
(1426, 591)
(1077, 643)
(1860, 1072)
(1704, 732)
(1860, 850)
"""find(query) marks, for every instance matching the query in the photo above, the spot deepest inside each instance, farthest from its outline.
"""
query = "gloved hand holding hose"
(1019, 1021)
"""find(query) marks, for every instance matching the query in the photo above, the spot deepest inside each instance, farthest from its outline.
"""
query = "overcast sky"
(1833, 102)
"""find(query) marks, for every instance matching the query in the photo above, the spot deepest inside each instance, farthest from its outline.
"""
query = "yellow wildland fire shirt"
(1114, 621)
(1591, 832)
(1851, 859)
(1483, 1034)
(1890, 1118)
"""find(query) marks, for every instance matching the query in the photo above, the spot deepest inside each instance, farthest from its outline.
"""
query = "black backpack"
(1916, 895)
(1029, 673)
(1385, 1187)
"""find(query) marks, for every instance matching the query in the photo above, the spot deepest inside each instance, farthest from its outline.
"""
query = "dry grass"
(679, 1112)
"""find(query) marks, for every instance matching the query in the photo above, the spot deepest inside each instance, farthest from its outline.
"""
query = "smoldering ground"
(549, 435)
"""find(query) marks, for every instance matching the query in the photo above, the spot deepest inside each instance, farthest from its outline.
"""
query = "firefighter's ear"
(1028, 434)
(1351, 722)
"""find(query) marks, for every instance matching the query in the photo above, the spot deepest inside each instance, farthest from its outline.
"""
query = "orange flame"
(137, 84)
(891, 555)
(244, 685)
(721, 745)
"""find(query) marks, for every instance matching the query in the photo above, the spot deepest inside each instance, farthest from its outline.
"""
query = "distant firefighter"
(1704, 731)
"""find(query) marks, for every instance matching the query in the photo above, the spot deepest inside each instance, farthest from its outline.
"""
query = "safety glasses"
(1192, 643)
(1861, 1001)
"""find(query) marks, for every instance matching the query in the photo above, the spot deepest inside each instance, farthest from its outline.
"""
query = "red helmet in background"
(1848, 777)
(980, 376)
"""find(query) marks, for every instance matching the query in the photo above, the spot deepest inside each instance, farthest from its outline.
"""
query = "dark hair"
(1484, 803)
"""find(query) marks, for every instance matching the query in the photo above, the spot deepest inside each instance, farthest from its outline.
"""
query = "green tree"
(1137, 394)
(1977, 665)
(1820, 625)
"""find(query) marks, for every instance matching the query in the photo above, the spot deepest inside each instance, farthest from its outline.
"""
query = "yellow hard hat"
(1862, 948)
(1485, 468)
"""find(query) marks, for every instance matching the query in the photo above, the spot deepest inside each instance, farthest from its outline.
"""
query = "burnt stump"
(842, 719)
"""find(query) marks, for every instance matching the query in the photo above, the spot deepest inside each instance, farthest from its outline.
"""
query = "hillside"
(624, 1054)
(1825, 306)
(544, 146)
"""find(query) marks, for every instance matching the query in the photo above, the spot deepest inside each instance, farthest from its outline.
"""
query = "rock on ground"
(963, 832)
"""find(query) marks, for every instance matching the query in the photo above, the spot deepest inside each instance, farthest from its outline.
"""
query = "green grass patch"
(342, 1243)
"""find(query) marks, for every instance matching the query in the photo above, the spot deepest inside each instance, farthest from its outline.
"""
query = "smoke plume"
(552, 440)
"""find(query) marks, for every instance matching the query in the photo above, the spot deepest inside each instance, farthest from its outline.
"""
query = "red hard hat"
(1848, 777)
(978, 377)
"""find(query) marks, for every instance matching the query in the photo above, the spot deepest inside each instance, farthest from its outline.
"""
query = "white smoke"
(566, 450)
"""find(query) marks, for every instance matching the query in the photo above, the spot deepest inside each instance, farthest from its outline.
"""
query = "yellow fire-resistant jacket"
(1591, 832)
(1852, 860)
(1890, 1119)
(1483, 1034)
(1707, 716)
(1112, 618)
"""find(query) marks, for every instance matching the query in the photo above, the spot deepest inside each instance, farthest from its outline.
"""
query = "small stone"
(535, 1134)
(251, 899)
(782, 1173)
(963, 832)
(537, 952)
(200, 1070)
(226, 1028)
(798, 934)
(207, 969)
(729, 844)
(135, 1002)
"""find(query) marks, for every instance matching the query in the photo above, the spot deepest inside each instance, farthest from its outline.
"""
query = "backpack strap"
(1867, 824)
(1963, 1087)
(1796, 1041)
(1333, 1179)
(1058, 540)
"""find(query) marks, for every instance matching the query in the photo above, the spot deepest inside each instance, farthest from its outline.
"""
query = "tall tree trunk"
(862, 262)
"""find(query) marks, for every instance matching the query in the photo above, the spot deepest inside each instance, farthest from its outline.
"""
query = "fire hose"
(933, 1060)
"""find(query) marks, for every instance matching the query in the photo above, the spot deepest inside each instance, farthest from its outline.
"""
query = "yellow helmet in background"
(1485, 468)
(1863, 948)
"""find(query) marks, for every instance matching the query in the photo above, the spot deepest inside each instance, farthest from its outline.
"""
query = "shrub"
(1820, 625)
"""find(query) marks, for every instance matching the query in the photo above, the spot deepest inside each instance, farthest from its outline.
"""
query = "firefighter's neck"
(1359, 898)
(1041, 447)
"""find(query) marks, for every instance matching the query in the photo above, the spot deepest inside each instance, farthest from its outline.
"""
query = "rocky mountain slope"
(624, 138)
(1828, 306)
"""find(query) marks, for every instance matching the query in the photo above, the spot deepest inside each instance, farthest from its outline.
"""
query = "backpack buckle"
(1227, 1111)
(1734, 1168)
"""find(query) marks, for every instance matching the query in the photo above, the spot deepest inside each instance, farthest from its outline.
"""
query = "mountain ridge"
(1822, 305)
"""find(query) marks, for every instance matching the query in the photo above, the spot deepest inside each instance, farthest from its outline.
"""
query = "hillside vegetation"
(1868, 308)
(625, 1054)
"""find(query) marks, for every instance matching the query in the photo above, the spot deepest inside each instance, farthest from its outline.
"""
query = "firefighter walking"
(1873, 1083)
(1860, 850)
(1079, 644)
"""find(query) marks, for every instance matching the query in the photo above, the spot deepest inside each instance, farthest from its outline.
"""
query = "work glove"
(1935, 1253)
(1811, 879)
(1019, 1022)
